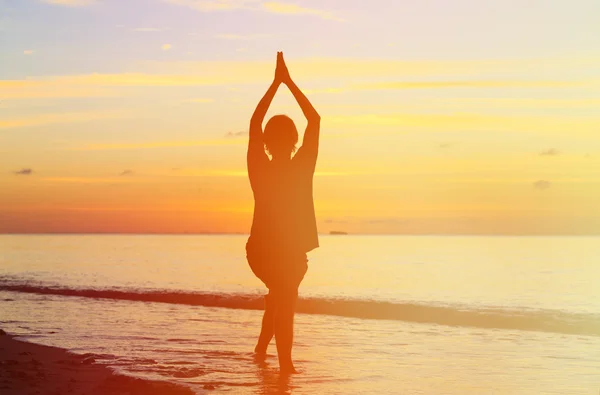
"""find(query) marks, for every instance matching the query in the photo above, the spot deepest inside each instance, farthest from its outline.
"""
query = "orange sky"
(481, 121)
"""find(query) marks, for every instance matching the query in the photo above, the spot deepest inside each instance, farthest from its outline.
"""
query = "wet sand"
(32, 369)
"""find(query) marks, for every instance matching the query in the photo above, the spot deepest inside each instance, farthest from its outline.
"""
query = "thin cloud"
(241, 37)
(49, 89)
(203, 100)
(166, 47)
(236, 134)
(255, 5)
(293, 9)
(148, 29)
(523, 102)
(13, 88)
(153, 145)
(58, 118)
(334, 173)
(335, 221)
(470, 122)
(127, 172)
(70, 3)
(28, 52)
(550, 152)
(84, 180)
(542, 185)
(24, 172)
(445, 145)
(325, 90)
(231, 73)
(242, 173)
(376, 221)
(213, 5)
(469, 84)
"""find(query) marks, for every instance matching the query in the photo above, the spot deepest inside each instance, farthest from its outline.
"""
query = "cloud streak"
(70, 3)
(271, 7)
(50, 89)
(240, 37)
(148, 29)
(550, 152)
(58, 118)
(84, 180)
(156, 145)
(293, 9)
(24, 172)
(236, 134)
(542, 185)
(199, 100)
(213, 73)
(471, 84)
(244, 173)
(213, 5)
(470, 122)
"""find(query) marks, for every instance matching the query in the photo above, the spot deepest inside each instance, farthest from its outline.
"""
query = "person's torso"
(284, 215)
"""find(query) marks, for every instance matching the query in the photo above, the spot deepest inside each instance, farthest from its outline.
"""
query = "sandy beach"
(28, 369)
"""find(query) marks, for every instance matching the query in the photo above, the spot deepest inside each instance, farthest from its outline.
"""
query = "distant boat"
(337, 232)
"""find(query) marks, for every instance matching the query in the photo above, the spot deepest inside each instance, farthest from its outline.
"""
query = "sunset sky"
(448, 117)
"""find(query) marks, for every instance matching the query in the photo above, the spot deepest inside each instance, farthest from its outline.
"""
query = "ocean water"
(377, 314)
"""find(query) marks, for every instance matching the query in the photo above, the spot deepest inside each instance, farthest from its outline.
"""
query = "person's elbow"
(315, 118)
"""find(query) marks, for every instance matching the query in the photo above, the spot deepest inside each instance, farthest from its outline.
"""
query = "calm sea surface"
(378, 314)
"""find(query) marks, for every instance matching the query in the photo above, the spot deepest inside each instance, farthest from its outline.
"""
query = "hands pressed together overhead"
(282, 75)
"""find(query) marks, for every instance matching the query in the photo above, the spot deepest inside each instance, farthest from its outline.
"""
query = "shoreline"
(29, 368)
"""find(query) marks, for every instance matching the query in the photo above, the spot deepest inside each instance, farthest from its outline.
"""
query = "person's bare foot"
(260, 360)
(260, 350)
(260, 356)
(288, 369)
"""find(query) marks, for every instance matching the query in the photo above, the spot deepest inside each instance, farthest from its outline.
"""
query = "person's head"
(280, 136)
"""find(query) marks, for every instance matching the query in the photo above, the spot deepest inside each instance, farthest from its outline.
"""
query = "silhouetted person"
(284, 226)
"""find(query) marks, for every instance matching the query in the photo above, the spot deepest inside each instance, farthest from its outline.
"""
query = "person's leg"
(259, 263)
(285, 303)
(267, 330)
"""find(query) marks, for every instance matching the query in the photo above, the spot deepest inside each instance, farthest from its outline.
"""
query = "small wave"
(526, 320)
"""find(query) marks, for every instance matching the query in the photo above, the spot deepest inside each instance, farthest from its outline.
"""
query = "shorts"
(278, 270)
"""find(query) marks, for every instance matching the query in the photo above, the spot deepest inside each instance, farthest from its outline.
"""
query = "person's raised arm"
(256, 132)
(311, 136)
(263, 105)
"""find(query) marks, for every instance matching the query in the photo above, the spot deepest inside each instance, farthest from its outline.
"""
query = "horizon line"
(320, 234)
